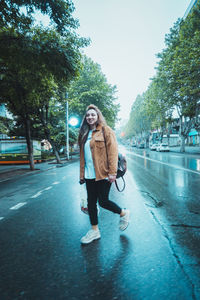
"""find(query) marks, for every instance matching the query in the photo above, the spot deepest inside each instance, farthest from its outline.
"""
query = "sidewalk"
(188, 149)
(7, 172)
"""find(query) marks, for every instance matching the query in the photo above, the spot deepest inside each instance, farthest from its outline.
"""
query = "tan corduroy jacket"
(104, 163)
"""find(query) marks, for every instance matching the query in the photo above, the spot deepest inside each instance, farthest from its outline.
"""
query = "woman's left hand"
(111, 178)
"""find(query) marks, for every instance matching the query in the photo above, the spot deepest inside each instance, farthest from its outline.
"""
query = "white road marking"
(167, 164)
(18, 205)
(48, 188)
(56, 182)
(36, 195)
(1, 218)
(40, 192)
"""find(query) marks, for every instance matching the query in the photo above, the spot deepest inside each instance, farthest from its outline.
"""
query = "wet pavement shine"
(41, 255)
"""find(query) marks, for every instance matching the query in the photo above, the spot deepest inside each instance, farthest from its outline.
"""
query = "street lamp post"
(73, 121)
(67, 127)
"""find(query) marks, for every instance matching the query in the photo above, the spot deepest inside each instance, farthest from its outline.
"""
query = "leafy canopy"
(91, 87)
(20, 14)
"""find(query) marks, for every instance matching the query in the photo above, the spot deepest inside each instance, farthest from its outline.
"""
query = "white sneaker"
(90, 236)
(124, 221)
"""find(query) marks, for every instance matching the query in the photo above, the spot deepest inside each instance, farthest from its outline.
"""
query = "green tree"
(186, 66)
(54, 59)
(176, 84)
(5, 125)
(178, 72)
(20, 14)
(91, 87)
(157, 108)
(139, 123)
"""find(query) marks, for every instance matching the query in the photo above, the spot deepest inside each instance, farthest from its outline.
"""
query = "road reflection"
(104, 268)
(178, 159)
(168, 177)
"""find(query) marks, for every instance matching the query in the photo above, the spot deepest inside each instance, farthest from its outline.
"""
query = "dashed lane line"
(37, 195)
(40, 192)
(18, 205)
(48, 188)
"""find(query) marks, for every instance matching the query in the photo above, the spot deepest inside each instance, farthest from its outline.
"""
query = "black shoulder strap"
(118, 186)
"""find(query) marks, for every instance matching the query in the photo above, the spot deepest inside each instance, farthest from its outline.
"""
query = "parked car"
(163, 147)
(153, 147)
(141, 146)
(157, 146)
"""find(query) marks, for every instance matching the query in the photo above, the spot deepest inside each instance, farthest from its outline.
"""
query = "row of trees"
(176, 85)
(38, 65)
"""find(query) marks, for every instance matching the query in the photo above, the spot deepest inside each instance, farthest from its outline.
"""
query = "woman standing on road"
(98, 169)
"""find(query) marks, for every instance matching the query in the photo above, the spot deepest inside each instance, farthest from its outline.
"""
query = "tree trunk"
(161, 135)
(56, 154)
(54, 148)
(185, 127)
(168, 139)
(182, 149)
(168, 134)
(48, 137)
(29, 145)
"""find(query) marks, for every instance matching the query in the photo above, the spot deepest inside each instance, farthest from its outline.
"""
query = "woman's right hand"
(82, 181)
(112, 178)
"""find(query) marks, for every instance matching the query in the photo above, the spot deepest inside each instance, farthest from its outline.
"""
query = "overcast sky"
(125, 37)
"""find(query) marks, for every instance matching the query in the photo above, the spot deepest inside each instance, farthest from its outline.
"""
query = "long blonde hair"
(84, 129)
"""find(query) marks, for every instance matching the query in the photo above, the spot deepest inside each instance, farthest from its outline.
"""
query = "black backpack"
(122, 166)
(121, 170)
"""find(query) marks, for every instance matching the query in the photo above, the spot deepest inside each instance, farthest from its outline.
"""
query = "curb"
(25, 174)
(28, 172)
(186, 152)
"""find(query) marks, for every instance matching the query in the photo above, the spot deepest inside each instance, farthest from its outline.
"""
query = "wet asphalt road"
(168, 177)
(157, 257)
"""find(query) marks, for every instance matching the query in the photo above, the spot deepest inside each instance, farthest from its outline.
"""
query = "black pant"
(99, 190)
